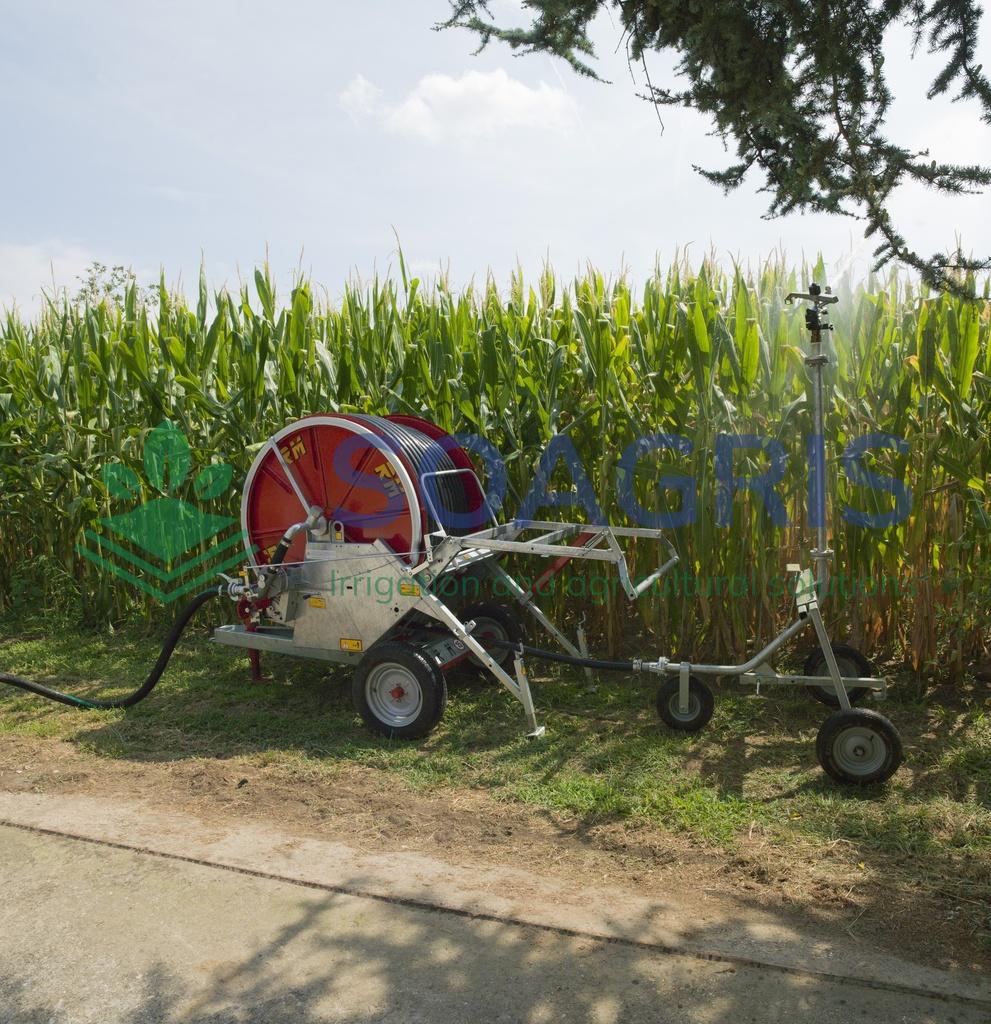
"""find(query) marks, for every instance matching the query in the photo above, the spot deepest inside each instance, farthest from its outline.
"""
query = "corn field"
(697, 352)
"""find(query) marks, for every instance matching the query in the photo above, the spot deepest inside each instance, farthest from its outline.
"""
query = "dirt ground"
(375, 812)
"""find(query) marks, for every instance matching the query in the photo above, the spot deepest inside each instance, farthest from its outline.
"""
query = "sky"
(318, 132)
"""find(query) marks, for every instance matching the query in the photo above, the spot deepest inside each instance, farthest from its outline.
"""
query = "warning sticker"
(408, 589)
(317, 602)
(347, 644)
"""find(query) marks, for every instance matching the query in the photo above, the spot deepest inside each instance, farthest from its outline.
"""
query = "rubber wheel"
(492, 622)
(859, 747)
(398, 692)
(851, 665)
(700, 705)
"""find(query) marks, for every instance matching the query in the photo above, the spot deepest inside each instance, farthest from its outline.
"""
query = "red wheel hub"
(397, 693)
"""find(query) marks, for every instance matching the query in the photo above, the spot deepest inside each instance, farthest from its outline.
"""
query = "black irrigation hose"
(278, 556)
(428, 456)
(566, 659)
(144, 689)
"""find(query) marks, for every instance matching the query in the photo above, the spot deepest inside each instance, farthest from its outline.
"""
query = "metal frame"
(445, 554)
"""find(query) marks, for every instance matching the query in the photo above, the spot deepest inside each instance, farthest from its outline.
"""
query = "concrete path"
(141, 917)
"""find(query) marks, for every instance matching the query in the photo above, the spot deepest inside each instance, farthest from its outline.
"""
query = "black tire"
(492, 622)
(851, 664)
(700, 705)
(859, 747)
(398, 692)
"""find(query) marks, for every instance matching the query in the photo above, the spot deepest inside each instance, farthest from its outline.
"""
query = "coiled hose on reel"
(144, 689)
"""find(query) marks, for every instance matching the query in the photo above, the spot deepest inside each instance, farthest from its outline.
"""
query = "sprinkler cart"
(355, 524)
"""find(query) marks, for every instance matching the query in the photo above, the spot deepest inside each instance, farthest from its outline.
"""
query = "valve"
(237, 589)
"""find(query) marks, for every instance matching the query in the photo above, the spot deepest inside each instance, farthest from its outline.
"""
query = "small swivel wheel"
(852, 665)
(398, 692)
(700, 705)
(493, 622)
(858, 747)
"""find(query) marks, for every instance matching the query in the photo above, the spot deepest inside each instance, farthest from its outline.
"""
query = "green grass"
(605, 756)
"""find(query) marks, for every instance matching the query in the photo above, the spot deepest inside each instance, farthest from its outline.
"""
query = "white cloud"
(360, 99)
(478, 104)
(28, 271)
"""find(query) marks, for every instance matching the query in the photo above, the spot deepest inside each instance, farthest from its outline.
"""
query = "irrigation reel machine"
(356, 525)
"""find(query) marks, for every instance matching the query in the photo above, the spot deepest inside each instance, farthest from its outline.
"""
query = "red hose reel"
(389, 478)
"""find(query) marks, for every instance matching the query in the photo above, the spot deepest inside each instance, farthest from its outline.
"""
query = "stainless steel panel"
(349, 595)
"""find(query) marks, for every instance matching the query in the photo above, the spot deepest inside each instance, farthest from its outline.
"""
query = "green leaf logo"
(166, 534)
(166, 457)
(121, 481)
(212, 481)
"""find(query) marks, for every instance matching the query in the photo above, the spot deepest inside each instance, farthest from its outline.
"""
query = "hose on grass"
(144, 689)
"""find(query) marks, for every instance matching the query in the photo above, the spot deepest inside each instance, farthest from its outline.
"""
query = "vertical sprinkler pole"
(816, 323)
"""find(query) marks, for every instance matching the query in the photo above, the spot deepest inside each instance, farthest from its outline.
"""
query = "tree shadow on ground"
(329, 957)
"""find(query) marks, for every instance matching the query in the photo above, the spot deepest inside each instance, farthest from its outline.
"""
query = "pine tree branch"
(798, 85)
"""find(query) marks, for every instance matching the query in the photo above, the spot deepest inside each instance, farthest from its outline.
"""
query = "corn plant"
(697, 352)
